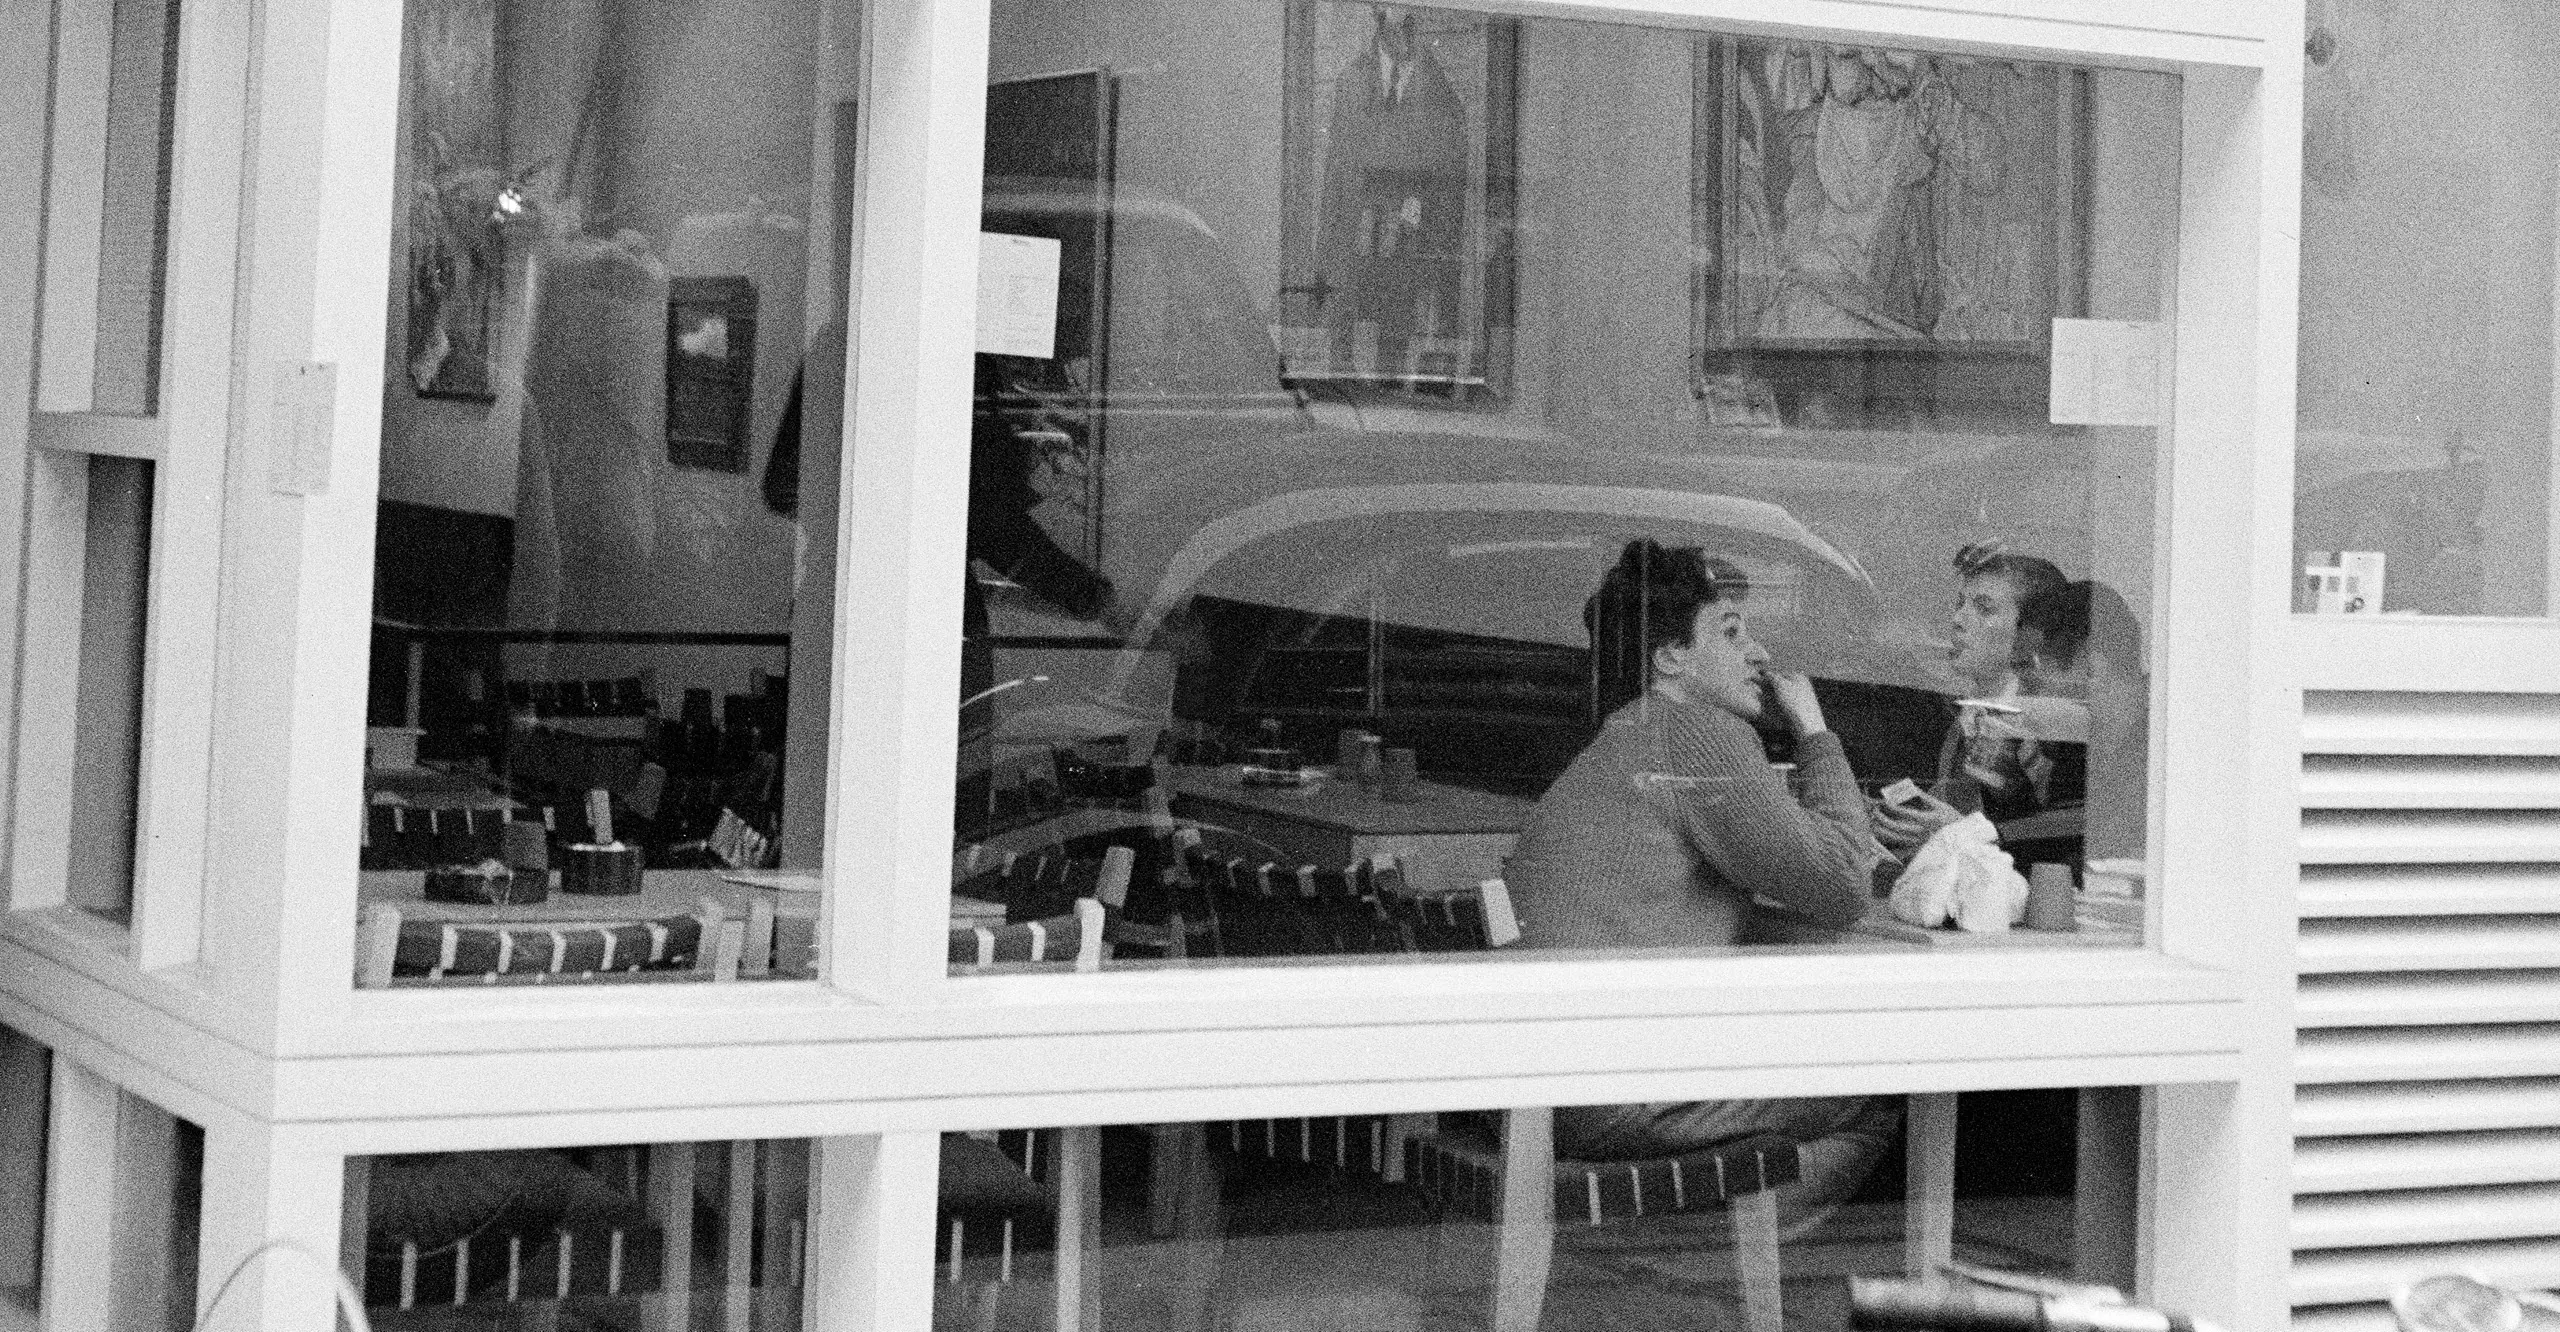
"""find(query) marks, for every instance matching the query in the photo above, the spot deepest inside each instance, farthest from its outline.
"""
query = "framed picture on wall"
(1400, 176)
(1052, 146)
(711, 371)
(455, 163)
(1881, 232)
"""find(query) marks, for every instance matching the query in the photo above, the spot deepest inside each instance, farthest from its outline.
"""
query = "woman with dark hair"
(1662, 832)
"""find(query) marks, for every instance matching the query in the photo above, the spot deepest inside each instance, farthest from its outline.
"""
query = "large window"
(604, 556)
(980, 489)
(1418, 456)
(1564, 1217)
(127, 297)
(2423, 464)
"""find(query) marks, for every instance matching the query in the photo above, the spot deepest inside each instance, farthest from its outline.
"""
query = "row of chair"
(549, 1238)
(395, 949)
(413, 837)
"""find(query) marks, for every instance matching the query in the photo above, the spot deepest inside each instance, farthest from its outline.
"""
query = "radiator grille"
(2427, 1115)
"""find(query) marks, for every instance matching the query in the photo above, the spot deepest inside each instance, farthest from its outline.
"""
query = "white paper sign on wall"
(2106, 372)
(1017, 295)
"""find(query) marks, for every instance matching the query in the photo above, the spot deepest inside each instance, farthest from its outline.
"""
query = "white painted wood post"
(871, 1232)
(671, 1202)
(79, 1202)
(1079, 1252)
(1929, 1182)
(261, 1184)
(1525, 1231)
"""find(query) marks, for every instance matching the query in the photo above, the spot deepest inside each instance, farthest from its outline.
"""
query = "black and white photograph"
(1279, 666)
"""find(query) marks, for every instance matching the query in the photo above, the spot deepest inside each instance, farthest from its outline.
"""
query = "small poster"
(1017, 295)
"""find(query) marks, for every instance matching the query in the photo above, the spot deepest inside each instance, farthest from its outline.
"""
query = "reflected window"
(662, 1235)
(1699, 1214)
(604, 553)
(1612, 486)
(2422, 474)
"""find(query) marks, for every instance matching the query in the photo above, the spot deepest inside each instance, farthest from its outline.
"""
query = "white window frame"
(897, 627)
(886, 1045)
(52, 261)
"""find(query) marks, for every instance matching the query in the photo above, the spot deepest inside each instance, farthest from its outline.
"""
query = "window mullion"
(25, 52)
(898, 620)
(75, 203)
(871, 1231)
(57, 494)
(203, 264)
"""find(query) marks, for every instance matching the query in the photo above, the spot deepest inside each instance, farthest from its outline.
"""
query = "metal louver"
(2427, 1109)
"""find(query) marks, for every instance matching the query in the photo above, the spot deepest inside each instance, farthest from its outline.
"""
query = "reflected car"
(1417, 570)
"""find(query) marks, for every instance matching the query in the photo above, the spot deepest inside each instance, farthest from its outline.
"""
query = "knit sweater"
(1660, 833)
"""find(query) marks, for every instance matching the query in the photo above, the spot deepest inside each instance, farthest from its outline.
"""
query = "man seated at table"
(1662, 832)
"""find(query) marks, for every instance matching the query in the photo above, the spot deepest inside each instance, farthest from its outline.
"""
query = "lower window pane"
(1686, 1215)
(666, 1236)
(115, 612)
(106, 1182)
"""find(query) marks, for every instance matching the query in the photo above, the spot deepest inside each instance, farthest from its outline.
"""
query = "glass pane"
(115, 614)
(142, 106)
(24, 1091)
(106, 266)
(1389, 1223)
(159, 1213)
(665, 1235)
(2422, 477)
(1450, 425)
(604, 554)
(138, 1218)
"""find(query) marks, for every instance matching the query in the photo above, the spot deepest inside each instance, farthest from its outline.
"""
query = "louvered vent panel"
(2427, 1119)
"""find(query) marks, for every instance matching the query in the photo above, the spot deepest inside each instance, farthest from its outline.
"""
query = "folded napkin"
(1961, 876)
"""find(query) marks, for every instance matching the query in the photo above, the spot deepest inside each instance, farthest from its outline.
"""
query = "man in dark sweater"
(1661, 833)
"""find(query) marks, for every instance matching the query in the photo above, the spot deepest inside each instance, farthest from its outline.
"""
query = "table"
(434, 788)
(1447, 838)
(2099, 928)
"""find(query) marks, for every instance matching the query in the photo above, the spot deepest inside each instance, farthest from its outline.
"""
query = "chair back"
(1075, 938)
(396, 951)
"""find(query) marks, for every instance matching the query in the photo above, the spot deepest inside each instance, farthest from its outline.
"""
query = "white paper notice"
(1017, 295)
(2106, 372)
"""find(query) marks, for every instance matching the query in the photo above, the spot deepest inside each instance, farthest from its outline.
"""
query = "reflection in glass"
(604, 553)
(115, 621)
(664, 1235)
(1396, 1223)
(2423, 460)
(1337, 450)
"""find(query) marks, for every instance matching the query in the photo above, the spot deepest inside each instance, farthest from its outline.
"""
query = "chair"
(539, 1237)
(419, 837)
(732, 844)
(395, 951)
(1075, 937)
(454, 1230)
(612, 1257)
(1514, 1179)
(1268, 909)
(978, 1190)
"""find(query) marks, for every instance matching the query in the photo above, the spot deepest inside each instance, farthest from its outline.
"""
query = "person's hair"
(1649, 600)
(2028, 576)
(2077, 617)
(2060, 618)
